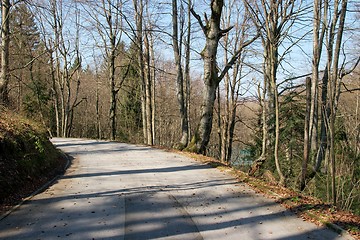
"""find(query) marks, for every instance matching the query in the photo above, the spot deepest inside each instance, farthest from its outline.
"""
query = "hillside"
(27, 158)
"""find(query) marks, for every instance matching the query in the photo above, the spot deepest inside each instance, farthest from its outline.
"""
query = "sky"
(296, 62)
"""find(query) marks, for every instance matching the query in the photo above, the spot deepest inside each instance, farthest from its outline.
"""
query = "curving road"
(121, 191)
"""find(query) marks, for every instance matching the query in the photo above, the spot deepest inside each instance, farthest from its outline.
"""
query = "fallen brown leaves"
(31, 185)
(308, 208)
(27, 160)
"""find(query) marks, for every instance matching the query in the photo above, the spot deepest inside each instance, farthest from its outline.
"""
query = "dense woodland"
(271, 87)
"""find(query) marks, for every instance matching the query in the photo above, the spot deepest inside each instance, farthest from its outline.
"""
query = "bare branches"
(223, 32)
(346, 72)
(236, 56)
(198, 18)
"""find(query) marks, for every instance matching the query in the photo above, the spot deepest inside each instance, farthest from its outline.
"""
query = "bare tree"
(180, 79)
(274, 20)
(148, 58)
(145, 84)
(336, 76)
(307, 143)
(65, 59)
(187, 67)
(331, 85)
(107, 16)
(212, 76)
(232, 80)
(320, 15)
(320, 9)
(5, 43)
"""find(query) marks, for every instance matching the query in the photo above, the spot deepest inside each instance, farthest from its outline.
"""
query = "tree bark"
(153, 90)
(212, 33)
(224, 129)
(232, 81)
(5, 37)
(331, 82)
(138, 7)
(277, 135)
(264, 127)
(187, 69)
(179, 78)
(307, 142)
(335, 93)
(113, 90)
(97, 109)
(317, 46)
(148, 92)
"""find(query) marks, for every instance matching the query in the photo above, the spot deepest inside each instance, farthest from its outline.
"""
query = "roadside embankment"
(27, 158)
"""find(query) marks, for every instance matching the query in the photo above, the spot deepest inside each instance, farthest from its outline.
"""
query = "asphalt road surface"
(121, 191)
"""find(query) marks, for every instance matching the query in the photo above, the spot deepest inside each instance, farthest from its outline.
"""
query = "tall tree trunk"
(234, 93)
(205, 125)
(325, 113)
(213, 33)
(111, 56)
(138, 7)
(148, 91)
(153, 90)
(219, 124)
(5, 40)
(278, 17)
(56, 75)
(264, 128)
(335, 94)
(97, 109)
(272, 66)
(179, 78)
(187, 70)
(277, 135)
(232, 81)
(312, 130)
(231, 132)
(224, 130)
(225, 121)
(113, 91)
(307, 143)
(331, 82)
(312, 134)
(55, 94)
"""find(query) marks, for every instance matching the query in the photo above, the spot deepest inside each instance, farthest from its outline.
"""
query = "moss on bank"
(27, 157)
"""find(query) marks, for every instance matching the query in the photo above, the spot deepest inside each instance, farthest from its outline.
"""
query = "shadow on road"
(151, 209)
(157, 219)
(139, 171)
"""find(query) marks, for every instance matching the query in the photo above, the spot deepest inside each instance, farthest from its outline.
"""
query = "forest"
(268, 87)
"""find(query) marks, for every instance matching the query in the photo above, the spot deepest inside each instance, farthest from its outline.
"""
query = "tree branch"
(198, 18)
(235, 56)
(224, 31)
(344, 73)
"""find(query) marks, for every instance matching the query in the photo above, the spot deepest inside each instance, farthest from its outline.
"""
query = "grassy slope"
(27, 158)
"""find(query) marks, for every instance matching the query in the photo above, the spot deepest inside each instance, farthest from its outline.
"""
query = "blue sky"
(297, 61)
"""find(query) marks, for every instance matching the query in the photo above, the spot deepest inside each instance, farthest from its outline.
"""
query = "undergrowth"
(26, 154)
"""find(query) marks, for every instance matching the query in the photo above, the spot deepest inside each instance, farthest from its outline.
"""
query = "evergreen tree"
(28, 65)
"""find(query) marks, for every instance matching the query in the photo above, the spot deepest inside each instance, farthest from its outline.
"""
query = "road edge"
(226, 168)
(42, 188)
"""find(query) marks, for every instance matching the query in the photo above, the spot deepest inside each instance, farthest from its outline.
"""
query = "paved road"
(120, 191)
